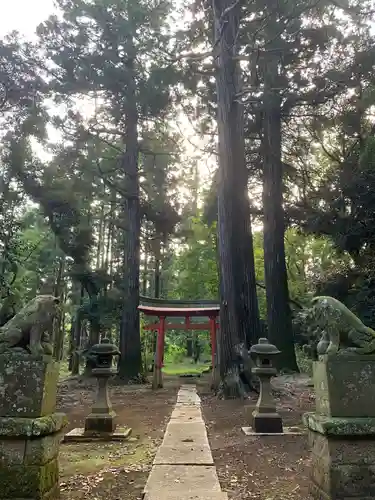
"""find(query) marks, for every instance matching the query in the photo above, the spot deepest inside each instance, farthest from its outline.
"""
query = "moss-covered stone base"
(29, 457)
(29, 481)
(331, 426)
(343, 457)
(29, 385)
(344, 386)
(12, 427)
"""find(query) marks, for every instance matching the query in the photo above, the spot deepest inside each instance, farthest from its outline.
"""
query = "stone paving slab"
(183, 467)
(188, 397)
(176, 441)
(187, 414)
(179, 435)
(189, 429)
(183, 479)
(186, 454)
(188, 496)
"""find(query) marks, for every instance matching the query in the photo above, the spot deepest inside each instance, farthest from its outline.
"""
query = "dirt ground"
(266, 468)
(113, 471)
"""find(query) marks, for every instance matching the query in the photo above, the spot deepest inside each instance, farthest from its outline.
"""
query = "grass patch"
(88, 458)
(185, 368)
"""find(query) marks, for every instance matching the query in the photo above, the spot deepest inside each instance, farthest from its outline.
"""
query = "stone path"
(183, 468)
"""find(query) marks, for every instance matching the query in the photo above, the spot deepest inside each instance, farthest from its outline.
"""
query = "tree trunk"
(130, 363)
(239, 315)
(100, 243)
(189, 345)
(59, 331)
(279, 317)
(145, 271)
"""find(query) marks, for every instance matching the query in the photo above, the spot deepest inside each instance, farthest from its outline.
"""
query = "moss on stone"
(28, 481)
(28, 385)
(331, 426)
(50, 424)
(43, 449)
(344, 386)
(28, 427)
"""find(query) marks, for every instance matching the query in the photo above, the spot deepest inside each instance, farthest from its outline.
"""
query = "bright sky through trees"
(24, 16)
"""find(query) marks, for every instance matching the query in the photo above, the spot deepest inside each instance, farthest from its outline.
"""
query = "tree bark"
(130, 363)
(59, 330)
(279, 317)
(239, 315)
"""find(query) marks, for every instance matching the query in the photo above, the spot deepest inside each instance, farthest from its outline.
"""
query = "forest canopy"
(219, 151)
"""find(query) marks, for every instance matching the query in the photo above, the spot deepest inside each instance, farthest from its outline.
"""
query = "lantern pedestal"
(102, 417)
(265, 419)
(100, 424)
(265, 416)
(81, 435)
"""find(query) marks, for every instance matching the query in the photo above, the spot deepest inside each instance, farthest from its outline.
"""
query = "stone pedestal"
(343, 457)
(344, 386)
(28, 385)
(30, 429)
(265, 417)
(342, 430)
(102, 417)
(100, 424)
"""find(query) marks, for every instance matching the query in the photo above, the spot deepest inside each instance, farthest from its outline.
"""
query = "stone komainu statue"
(29, 329)
(340, 330)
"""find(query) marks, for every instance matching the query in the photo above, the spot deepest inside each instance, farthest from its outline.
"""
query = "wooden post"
(213, 340)
(162, 345)
(214, 372)
(158, 379)
(156, 376)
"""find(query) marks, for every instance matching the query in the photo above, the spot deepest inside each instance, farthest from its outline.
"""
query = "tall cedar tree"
(114, 51)
(293, 70)
(279, 318)
(239, 316)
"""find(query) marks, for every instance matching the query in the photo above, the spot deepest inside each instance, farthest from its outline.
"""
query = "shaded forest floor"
(115, 470)
(262, 468)
(267, 468)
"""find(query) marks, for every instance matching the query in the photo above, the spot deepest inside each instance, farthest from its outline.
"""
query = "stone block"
(267, 423)
(29, 481)
(332, 426)
(344, 386)
(11, 427)
(28, 385)
(343, 481)
(42, 450)
(343, 457)
(338, 451)
(182, 480)
(167, 495)
(187, 414)
(12, 451)
(318, 494)
(184, 454)
(98, 423)
(80, 435)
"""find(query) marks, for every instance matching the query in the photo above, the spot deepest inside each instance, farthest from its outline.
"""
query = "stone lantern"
(102, 417)
(266, 420)
(100, 423)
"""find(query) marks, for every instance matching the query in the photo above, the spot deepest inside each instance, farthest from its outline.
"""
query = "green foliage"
(304, 361)
(195, 266)
(174, 353)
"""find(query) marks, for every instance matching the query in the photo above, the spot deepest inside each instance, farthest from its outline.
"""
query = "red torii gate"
(161, 326)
